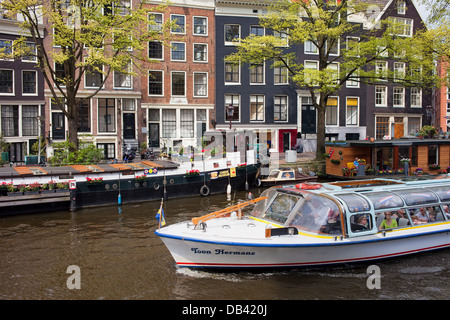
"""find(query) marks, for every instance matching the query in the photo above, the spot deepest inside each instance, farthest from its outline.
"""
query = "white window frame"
(238, 82)
(86, 86)
(396, 93)
(336, 108)
(172, 51)
(419, 94)
(13, 83)
(308, 47)
(162, 50)
(130, 76)
(34, 54)
(383, 97)
(338, 48)
(205, 45)
(381, 70)
(286, 97)
(193, 26)
(399, 70)
(148, 86)
(36, 83)
(347, 123)
(406, 25)
(353, 83)
(156, 27)
(206, 88)
(252, 69)
(231, 43)
(316, 63)
(257, 96)
(239, 105)
(356, 40)
(401, 7)
(171, 83)
(172, 19)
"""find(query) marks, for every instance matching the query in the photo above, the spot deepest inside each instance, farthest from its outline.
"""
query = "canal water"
(119, 257)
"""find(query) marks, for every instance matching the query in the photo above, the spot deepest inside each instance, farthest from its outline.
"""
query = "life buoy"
(257, 182)
(204, 191)
(308, 186)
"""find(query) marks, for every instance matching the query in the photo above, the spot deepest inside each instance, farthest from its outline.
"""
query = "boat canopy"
(305, 211)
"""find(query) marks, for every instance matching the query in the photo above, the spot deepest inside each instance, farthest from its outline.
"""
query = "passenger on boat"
(363, 221)
(422, 215)
(388, 223)
(400, 214)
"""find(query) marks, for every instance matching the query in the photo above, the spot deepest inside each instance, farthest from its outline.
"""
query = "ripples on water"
(120, 258)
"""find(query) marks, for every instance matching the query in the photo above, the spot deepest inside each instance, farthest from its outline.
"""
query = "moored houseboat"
(286, 176)
(125, 182)
(318, 224)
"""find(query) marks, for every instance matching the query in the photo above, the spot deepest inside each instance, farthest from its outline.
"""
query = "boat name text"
(222, 251)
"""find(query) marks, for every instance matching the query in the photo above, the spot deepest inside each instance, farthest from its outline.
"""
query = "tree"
(72, 38)
(320, 24)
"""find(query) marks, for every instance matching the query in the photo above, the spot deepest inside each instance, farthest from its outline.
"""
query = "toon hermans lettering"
(222, 251)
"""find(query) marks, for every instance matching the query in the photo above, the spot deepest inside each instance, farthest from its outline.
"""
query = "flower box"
(94, 181)
(192, 173)
(141, 178)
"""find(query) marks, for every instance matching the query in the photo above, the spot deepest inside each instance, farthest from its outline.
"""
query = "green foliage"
(65, 153)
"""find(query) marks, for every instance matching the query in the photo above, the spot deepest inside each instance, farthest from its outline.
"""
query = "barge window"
(316, 214)
(383, 200)
(417, 196)
(361, 222)
(281, 207)
(442, 192)
(260, 206)
(400, 216)
(426, 214)
(355, 202)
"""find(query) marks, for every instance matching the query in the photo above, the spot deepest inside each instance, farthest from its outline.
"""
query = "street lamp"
(230, 111)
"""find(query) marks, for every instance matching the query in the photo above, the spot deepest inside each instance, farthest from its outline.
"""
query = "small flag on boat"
(160, 216)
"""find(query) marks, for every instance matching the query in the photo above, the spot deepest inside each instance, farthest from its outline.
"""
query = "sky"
(422, 9)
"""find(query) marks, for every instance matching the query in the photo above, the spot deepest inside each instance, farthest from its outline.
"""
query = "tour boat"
(286, 176)
(312, 224)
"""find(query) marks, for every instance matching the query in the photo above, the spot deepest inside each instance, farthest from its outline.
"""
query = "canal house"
(405, 156)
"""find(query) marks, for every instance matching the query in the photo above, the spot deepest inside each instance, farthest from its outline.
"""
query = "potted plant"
(12, 189)
(335, 161)
(419, 171)
(434, 166)
(141, 178)
(241, 166)
(192, 173)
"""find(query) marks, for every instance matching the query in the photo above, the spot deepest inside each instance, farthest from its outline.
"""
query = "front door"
(153, 135)
(308, 119)
(399, 127)
(58, 126)
(129, 126)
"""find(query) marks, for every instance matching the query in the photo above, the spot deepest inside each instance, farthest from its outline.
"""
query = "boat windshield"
(305, 211)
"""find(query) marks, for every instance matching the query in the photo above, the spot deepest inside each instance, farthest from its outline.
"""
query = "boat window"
(426, 214)
(261, 206)
(355, 202)
(361, 222)
(281, 207)
(316, 214)
(274, 174)
(417, 196)
(442, 192)
(445, 211)
(388, 219)
(383, 200)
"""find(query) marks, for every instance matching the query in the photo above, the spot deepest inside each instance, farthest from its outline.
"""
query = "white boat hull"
(299, 250)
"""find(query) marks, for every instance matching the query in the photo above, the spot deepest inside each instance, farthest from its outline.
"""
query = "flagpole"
(160, 212)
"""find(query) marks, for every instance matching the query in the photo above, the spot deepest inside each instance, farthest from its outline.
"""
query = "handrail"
(223, 212)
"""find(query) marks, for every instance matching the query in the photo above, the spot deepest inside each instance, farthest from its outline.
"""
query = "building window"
(169, 123)
(187, 123)
(200, 84)
(331, 113)
(399, 97)
(123, 80)
(280, 73)
(106, 115)
(310, 65)
(60, 74)
(257, 31)
(178, 83)
(353, 80)
(200, 26)
(31, 55)
(155, 83)
(156, 21)
(310, 47)
(179, 23)
(381, 69)
(178, 51)
(416, 97)
(234, 100)
(399, 71)
(155, 50)
(232, 71)
(10, 121)
(109, 149)
(353, 46)
(401, 7)
(380, 96)
(280, 107)
(256, 108)
(29, 82)
(257, 73)
(433, 154)
(402, 26)
(282, 35)
(382, 127)
(93, 76)
(232, 33)
(29, 121)
(334, 50)
(352, 112)
(413, 125)
(200, 52)
(84, 115)
(6, 47)
(6, 81)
